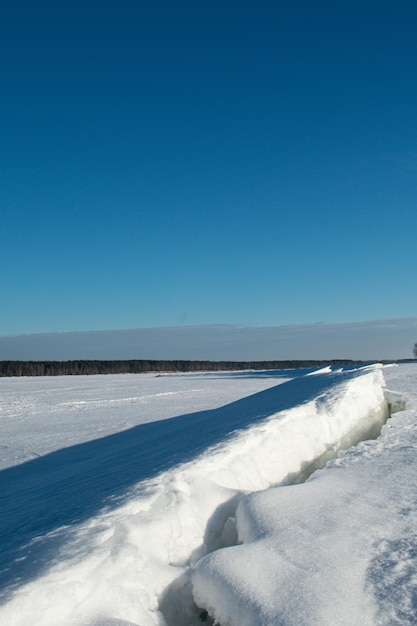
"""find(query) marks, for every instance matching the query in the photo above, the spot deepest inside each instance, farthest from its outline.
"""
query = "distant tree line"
(78, 368)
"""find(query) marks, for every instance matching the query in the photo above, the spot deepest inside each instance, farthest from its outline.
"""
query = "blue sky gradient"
(187, 163)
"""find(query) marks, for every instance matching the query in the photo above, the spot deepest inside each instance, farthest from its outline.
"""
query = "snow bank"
(131, 563)
(340, 548)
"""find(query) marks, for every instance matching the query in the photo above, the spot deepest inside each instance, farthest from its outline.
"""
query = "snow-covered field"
(179, 500)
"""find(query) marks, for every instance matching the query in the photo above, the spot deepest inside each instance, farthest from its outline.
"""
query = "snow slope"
(339, 549)
(108, 531)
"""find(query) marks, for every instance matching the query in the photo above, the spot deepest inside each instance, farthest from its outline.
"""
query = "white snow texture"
(183, 499)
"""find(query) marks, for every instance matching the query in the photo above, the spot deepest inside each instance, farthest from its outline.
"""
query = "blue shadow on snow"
(73, 484)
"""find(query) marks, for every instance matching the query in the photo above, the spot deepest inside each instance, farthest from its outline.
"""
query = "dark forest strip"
(142, 366)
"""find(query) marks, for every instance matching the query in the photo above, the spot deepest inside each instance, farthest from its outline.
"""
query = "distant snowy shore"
(114, 514)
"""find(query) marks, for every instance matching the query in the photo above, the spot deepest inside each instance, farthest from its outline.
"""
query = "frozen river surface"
(170, 500)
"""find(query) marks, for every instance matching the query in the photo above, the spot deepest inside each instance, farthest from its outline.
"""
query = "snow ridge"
(340, 548)
(132, 562)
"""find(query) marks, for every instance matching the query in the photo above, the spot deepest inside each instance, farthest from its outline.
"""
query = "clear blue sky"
(224, 162)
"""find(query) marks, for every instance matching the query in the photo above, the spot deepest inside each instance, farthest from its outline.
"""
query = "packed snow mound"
(170, 491)
(339, 549)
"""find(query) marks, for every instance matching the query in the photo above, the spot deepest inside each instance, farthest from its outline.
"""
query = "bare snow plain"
(177, 500)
